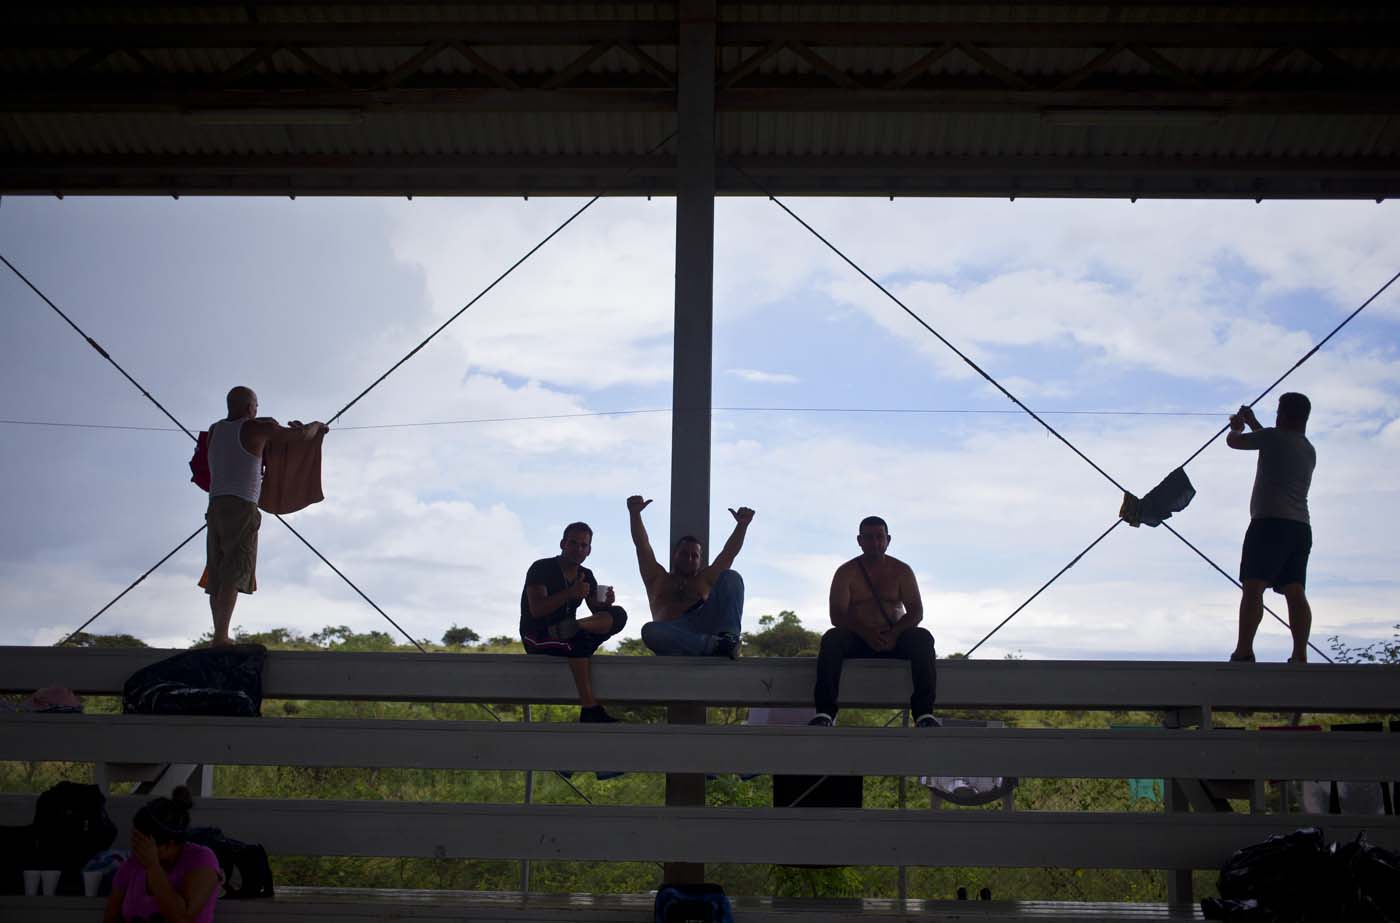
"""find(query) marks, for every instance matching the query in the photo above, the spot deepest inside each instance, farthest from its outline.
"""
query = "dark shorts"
(231, 545)
(578, 643)
(1276, 552)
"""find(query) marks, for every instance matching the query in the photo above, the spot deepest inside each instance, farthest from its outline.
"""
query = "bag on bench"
(245, 866)
(702, 903)
(220, 681)
(70, 827)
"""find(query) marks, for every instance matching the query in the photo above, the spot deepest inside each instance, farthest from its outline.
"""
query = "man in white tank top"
(236, 446)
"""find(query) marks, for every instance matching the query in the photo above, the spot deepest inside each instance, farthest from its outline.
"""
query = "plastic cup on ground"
(50, 878)
(92, 881)
(31, 883)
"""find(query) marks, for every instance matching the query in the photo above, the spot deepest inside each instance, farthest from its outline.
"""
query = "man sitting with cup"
(549, 622)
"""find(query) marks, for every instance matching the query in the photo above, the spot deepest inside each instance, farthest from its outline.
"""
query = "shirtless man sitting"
(876, 610)
(695, 610)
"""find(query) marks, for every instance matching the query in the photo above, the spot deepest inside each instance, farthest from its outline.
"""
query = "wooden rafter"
(750, 64)
(823, 66)
(1091, 67)
(1270, 63)
(648, 63)
(246, 64)
(87, 60)
(995, 67)
(412, 65)
(319, 69)
(577, 67)
(494, 73)
(1165, 66)
(919, 67)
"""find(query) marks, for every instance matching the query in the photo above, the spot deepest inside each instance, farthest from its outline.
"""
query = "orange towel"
(292, 475)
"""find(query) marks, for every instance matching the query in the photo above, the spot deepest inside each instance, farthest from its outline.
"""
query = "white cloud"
(755, 376)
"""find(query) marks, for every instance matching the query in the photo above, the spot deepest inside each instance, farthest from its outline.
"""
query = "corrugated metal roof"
(1214, 97)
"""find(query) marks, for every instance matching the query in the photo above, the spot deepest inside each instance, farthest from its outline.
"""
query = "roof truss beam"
(1185, 34)
(1128, 177)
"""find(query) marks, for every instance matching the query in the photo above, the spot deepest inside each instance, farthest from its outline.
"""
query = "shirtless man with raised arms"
(696, 610)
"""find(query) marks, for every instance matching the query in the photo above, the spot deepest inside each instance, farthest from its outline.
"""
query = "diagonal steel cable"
(94, 344)
(1203, 556)
(923, 323)
(1043, 587)
(131, 586)
(1231, 578)
(1050, 429)
(494, 282)
(1294, 367)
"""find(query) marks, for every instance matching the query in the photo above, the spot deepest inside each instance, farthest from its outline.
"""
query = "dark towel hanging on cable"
(1173, 495)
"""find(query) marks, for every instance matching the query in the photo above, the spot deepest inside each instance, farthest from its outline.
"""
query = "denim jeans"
(695, 633)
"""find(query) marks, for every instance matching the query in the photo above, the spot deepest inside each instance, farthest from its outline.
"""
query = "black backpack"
(16, 854)
(219, 681)
(70, 827)
(247, 872)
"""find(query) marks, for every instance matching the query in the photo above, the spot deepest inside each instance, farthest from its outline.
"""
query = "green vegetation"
(780, 635)
(1375, 652)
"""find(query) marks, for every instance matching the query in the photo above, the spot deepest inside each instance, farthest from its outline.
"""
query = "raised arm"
(259, 433)
(725, 559)
(646, 558)
(1237, 438)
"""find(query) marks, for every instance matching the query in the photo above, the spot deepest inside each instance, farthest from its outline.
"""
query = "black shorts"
(581, 643)
(1276, 552)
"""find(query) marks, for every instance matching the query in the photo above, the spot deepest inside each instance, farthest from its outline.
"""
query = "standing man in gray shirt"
(1279, 539)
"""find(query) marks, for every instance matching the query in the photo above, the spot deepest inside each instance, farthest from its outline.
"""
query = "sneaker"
(1241, 658)
(822, 721)
(727, 645)
(595, 714)
(927, 721)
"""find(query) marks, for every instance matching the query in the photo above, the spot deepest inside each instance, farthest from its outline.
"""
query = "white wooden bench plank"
(744, 835)
(1062, 753)
(296, 905)
(1112, 685)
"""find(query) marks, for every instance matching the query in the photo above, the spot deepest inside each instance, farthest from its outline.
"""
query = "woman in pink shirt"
(166, 880)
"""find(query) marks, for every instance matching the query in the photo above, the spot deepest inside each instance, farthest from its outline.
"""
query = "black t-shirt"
(549, 573)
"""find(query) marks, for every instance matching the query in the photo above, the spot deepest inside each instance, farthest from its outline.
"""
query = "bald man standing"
(236, 446)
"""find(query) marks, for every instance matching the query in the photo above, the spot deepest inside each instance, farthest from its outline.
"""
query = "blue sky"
(1074, 305)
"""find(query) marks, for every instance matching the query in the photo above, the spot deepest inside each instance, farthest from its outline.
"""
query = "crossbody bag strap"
(873, 594)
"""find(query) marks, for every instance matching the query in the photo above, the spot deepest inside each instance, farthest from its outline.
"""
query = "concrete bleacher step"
(302, 905)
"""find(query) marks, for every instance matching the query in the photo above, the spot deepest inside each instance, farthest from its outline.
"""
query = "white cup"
(50, 878)
(601, 592)
(92, 881)
(31, 882)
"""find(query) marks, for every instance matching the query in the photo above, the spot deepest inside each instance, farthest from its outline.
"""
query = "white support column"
(694, 332)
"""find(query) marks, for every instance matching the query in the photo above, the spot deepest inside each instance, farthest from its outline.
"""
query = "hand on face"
(144, 849)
